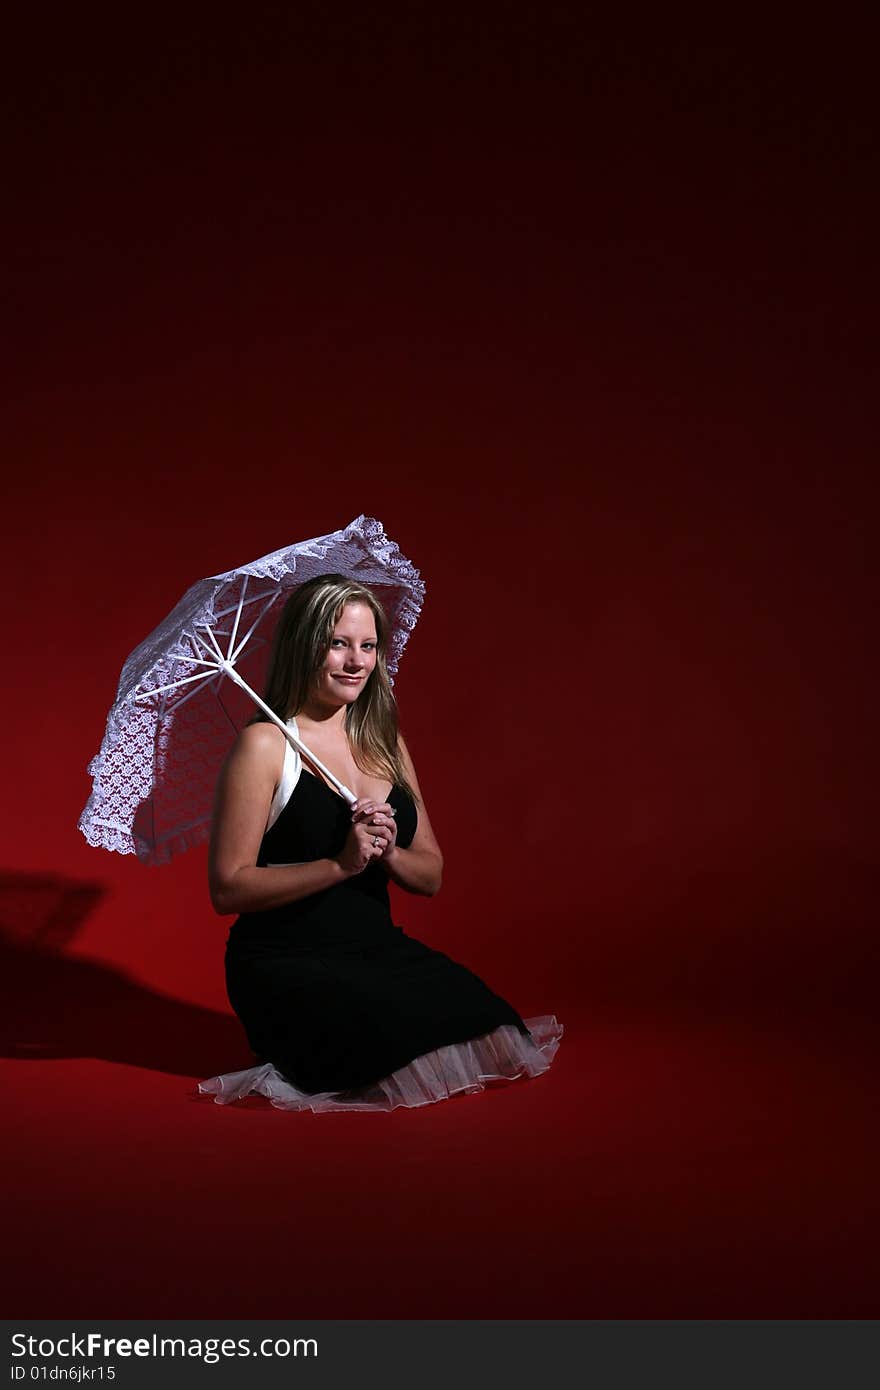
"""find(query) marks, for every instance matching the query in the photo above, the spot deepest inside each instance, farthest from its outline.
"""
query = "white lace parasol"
(190, 686)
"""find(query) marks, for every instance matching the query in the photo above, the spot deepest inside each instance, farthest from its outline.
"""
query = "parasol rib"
(237, 617)
(255, 624)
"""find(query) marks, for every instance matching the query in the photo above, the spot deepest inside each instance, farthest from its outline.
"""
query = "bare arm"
(241, 808)
(418, 869)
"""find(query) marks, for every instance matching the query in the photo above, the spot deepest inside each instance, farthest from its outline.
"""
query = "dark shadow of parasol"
(53, 1005)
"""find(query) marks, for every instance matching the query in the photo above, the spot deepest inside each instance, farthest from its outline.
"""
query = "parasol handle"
(292, 739)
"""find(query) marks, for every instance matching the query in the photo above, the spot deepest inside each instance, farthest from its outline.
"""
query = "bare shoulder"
(262, 736)
(260, 746)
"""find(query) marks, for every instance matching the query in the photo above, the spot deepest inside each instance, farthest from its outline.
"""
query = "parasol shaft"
(288, 734)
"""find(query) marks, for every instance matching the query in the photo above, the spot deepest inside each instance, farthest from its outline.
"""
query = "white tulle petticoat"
(503, 1054)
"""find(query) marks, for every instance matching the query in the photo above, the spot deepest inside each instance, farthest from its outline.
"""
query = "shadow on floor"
(56, 1005)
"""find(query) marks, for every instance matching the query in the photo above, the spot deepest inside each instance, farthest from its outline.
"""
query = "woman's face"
(351, 656)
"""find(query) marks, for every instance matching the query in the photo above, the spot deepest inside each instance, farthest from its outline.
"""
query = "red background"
(586, 318)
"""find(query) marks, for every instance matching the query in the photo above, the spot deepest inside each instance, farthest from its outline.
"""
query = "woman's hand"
(373, 834)
(378, 816)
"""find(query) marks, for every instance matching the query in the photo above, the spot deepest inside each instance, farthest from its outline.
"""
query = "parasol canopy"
(189, 687)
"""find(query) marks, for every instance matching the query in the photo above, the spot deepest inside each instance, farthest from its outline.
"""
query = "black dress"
(335, 998)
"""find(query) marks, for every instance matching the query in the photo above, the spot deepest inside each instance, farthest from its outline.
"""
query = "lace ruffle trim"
(463, 1067)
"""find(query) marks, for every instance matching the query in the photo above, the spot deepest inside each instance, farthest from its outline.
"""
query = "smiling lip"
(352, 680)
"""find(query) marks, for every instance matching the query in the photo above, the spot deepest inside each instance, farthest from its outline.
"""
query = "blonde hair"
(300, 644)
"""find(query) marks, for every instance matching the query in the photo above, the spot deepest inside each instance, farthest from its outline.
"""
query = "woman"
(342, 1008)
